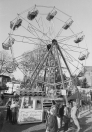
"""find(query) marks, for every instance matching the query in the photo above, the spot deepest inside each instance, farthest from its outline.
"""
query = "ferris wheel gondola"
(83, 56)
(15, 25)
(51, 15)
(79, 39)
(8, 44)
(32, 15)
(67, 24)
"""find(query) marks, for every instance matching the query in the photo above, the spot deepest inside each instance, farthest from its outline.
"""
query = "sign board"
(63, 92)
(27, 115)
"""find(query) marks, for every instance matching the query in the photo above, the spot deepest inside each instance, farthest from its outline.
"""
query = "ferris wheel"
(42, 26)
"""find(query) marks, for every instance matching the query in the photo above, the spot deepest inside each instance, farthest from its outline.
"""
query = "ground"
(85, 121)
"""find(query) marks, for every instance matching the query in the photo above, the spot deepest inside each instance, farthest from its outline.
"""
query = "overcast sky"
(80, 10)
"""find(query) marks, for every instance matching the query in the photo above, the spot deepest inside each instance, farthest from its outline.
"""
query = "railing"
(85, 109)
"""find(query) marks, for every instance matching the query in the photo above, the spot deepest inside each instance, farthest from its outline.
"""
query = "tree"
(31, 59)
(77, 80)
(4, 59)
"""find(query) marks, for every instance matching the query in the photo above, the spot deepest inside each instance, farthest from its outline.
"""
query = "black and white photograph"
(45, 66)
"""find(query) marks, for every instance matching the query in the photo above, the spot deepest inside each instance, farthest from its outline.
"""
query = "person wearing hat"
(52, 124)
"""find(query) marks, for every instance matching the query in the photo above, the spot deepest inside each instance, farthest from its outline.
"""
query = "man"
(52, 125)
(66, 117)
(1, 119)
(74, 115)
(61, 113)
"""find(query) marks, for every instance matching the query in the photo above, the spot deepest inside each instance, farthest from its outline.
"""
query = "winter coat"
(1, 117)
(52, 125)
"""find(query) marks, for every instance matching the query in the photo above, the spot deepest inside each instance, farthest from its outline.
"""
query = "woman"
(52, 125)
(14, 107)
(74, 115)
(8, 115)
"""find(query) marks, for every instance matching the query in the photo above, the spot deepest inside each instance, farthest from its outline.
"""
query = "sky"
(80, 10)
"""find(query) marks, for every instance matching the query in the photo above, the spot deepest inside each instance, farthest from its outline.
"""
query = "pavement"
(85, 123)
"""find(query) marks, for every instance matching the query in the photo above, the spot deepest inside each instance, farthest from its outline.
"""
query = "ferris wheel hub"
(54, 41)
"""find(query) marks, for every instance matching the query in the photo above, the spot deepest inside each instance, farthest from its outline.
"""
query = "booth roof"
(74, 96)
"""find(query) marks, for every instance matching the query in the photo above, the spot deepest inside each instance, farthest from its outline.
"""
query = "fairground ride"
(54, 32)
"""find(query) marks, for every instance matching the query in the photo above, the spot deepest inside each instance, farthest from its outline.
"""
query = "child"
(52, 125)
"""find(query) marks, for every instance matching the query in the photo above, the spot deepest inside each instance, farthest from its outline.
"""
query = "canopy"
(74, 96)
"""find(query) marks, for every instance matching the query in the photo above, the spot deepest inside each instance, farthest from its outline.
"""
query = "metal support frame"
(61, 73)
(78, 99)
(40, 66)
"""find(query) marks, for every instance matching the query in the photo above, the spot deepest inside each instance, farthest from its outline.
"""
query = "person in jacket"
(14, 107)
(52, 124)
(8, 114)
(1, 119)
(61, 113)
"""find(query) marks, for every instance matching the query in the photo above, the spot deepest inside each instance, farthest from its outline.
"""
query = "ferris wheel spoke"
(29, 37)
(35, 28)
(27, 42)
(71, 48)
(68, 57)
(71, 30)
(59, 19)
(23, 36)
(63, 12)
(59, 33)
(71, 64)
(31, 31)
(68, 37)
(32, 41)
(61, 29)
(29, 9)
(35, 32)
(30, 52)
(71, 56)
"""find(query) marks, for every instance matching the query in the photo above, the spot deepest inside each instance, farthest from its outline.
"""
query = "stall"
(33, 108)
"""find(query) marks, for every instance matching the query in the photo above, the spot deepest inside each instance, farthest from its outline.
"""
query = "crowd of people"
(61, 117)
(11, 114)
(12, 107)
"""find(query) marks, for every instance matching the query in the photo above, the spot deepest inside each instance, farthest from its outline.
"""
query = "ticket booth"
(33, 108)
(30, 109)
